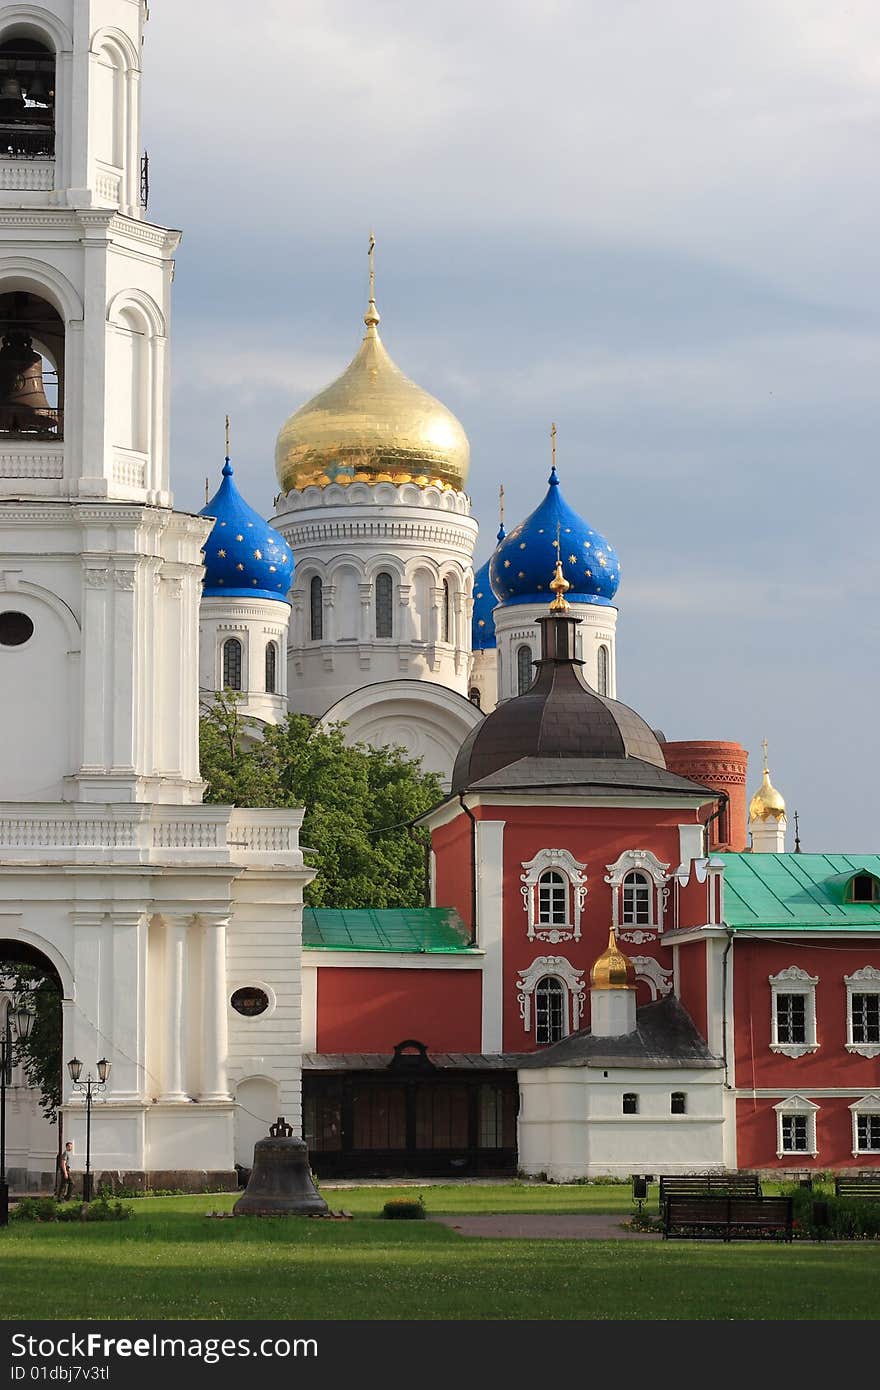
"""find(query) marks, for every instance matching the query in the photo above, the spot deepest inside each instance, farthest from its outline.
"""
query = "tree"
(41, 1054)
(359, 801)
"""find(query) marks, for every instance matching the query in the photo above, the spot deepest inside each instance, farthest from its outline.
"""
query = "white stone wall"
(254, 623)
(346, 536)
(516, 625)
(571, 1123)
(484, 678)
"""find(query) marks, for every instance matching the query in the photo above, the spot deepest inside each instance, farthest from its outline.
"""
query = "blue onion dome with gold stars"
(483, 620)
(244, 557)
(519, 568)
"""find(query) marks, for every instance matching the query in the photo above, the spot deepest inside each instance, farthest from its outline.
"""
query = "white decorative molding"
(658, 980)
(793, 980)
(562, 970)
(27, 175)
(644, 862)
(96, 576)
(797, 1105)
(124, 578)
(864, 981)
(868, 1105)
(129, 470)
(572, 870)
(30, 463)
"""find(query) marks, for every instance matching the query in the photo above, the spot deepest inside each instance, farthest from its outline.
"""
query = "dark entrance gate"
(373, 1116)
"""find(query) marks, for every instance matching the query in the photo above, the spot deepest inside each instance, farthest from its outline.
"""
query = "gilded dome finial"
(371, 317)
(559, 584)
(613, 970)
(767, 803)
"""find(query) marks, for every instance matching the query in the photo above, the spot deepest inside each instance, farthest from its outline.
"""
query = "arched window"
(603, 671)
(31, 364)
(630, 1103)
(549, 1010)
(678, 1103)
(384, 614)
(474, 696)
(863, 888)
(27, 100)
(316, 609)
(552, 899)
(271, 668)
(447, 612)
(232, 664)
(636, 900)
(523, 669)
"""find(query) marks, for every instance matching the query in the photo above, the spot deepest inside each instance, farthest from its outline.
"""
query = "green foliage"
(102, 1210)
(41, 1054)
(35, 1209)
(848, 1218)
(359, 801)
(404, 1209)
(47, 1209)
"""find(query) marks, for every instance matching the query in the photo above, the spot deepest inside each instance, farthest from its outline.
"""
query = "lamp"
(103, 1069)
(75, 1066)
(88, 1088)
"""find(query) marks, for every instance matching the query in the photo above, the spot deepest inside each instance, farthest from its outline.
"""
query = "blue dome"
(521, 568)
(485, 603)
(244, 557)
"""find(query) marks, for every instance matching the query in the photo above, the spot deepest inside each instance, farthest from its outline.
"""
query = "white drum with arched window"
(232, 664)
(524, 671)
(603, 684)
(271, 668)
(316, 609)
(384, 595)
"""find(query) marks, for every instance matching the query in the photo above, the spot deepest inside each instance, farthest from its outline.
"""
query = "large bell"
(280, 1183)
(24, 408)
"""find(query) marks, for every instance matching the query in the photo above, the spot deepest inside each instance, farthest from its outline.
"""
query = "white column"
(215, 1042)
(490, 928)
(175, 1010)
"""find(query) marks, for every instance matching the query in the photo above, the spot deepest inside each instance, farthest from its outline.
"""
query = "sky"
(652, 221)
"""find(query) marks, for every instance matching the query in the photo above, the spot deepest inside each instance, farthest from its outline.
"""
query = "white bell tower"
(142, 902)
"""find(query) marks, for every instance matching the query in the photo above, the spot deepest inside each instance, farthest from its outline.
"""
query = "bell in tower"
(24, 408)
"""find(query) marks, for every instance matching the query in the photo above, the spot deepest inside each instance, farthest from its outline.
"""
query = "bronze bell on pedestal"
(24, 408)
(280, 1183)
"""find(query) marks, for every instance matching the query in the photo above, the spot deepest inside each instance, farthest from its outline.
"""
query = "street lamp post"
(87, 1088)
(20, 1023)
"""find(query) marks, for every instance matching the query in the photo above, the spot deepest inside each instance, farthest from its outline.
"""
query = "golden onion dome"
(767, 803)
(613, 970)
(372, 425)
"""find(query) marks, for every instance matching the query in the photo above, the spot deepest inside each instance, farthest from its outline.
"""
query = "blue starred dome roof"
(243, 556)
(521, 568)
(485, 603)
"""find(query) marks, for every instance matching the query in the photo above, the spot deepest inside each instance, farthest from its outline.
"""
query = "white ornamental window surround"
(554, 888)
(866, 1125)
(564, 974)
(796, 1127)
(650, 972)
(639, 892)
(793, 1012)
(863, 1012)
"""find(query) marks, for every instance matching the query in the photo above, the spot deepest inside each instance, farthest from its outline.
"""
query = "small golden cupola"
(767, 804)
(613, 970)
(372, 425)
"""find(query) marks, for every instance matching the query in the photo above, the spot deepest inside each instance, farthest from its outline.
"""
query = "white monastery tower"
(373, 507)
(151, 910)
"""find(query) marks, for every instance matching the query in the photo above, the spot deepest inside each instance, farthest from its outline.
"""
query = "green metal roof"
(414, 930)
(805, 891)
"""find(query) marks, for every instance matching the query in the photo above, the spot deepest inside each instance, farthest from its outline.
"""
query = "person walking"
(63, 1173)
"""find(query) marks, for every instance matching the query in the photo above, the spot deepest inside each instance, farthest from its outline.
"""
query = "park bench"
(731, 1218)
(708, 1185)
(865, 1188)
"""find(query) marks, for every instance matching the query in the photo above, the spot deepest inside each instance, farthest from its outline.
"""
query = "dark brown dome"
(557, 717)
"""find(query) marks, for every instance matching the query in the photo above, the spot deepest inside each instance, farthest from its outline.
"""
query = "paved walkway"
(545, 1226)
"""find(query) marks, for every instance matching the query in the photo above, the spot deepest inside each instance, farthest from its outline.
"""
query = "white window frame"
(572, 871)
(572, 981)
(868, 1105)
(793, 980)
(864, 981)
(797, 1105)
(640, 861)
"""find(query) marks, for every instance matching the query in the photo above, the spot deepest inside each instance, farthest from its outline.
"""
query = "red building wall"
(371, 1010)
(596, 836)
(453, 866)
(756, 1135)
(692, 982)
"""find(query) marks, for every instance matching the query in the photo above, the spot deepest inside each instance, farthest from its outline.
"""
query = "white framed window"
(630, 1104)
(639, 890)
(524, 672)
(603, 684)
(793, 1012)
(384, 601)
(866, 1125)
(678, 1103)
(796, 1127)
(863, 1012)
(316, 609)
(551, 998)
(553, 890)
(232, 664)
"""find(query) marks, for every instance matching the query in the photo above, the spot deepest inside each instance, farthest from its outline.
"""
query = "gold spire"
(371, 317)
(767, 803)
(559, 584)
(501, 504)
(553, 442)
(613, 970)
(372, 425)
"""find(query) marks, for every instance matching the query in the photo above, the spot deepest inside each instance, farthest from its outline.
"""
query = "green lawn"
(170, 1261)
